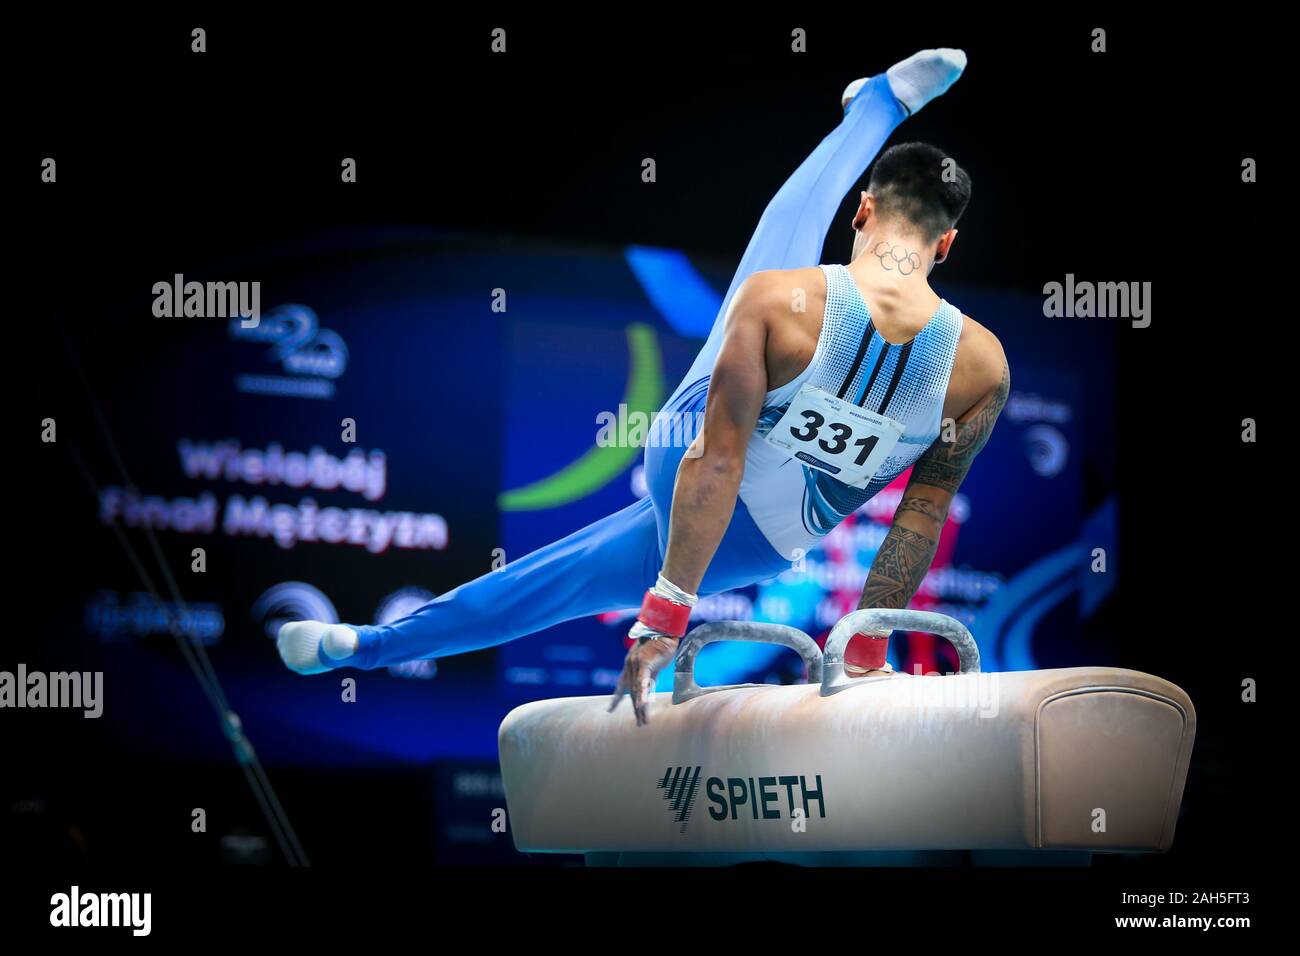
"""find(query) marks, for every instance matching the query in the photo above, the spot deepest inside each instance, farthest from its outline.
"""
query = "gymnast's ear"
(945, 244)
(865, 211)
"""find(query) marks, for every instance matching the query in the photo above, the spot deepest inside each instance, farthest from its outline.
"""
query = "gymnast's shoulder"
(780, 292)
(981, 360)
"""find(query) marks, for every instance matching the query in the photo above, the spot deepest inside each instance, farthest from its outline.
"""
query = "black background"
(1119, 166)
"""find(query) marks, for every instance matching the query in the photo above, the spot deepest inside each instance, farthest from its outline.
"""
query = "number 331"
(813, 422)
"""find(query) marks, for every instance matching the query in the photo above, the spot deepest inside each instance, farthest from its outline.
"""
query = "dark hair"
(909, 181)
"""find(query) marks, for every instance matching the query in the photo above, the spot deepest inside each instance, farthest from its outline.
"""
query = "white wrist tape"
(666, 589)
(640, 630)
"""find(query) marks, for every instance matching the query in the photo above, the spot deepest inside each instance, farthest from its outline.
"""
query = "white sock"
(851, 91)
(299, 642)
(925, 75)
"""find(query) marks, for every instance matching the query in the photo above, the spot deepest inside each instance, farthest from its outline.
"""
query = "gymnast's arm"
(704, 497)
(905, 554)
(708, 478)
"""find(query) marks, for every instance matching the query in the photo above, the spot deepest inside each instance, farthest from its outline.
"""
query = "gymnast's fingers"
(644, 683)
(617, 697)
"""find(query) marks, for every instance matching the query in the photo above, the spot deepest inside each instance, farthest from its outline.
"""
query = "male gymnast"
(820, 384)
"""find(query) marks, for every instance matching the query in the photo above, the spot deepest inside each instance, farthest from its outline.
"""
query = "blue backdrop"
(473, 372)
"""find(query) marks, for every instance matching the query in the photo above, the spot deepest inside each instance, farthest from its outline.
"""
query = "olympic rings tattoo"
(904, 265)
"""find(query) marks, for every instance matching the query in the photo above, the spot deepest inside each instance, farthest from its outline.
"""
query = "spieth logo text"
(759, 798)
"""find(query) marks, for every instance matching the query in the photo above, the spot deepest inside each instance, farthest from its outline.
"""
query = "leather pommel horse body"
(886, 769)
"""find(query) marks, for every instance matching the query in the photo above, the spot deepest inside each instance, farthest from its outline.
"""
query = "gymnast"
(819, 385)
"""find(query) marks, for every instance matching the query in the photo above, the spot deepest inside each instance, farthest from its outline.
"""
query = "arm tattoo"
(900, 566)
(905, 555)
(923, 506)
(944, 464)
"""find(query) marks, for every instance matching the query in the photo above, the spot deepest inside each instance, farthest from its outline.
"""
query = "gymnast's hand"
(652, 651)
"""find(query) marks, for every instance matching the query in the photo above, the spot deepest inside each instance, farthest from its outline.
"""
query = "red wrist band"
(867, 651)
(664, 615)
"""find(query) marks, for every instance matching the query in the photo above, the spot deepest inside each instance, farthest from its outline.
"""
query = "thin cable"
(194, 654)
(232, 728)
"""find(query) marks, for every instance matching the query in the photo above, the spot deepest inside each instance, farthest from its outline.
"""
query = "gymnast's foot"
(918, 79)
(302, 644)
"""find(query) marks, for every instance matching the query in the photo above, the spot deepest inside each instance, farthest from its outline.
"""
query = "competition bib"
(835, 436)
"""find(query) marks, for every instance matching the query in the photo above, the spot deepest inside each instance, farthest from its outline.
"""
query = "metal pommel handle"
(894, 619)
(684, 686)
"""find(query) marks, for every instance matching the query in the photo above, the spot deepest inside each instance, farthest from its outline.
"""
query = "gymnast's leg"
(603, 567)
(794, 225)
